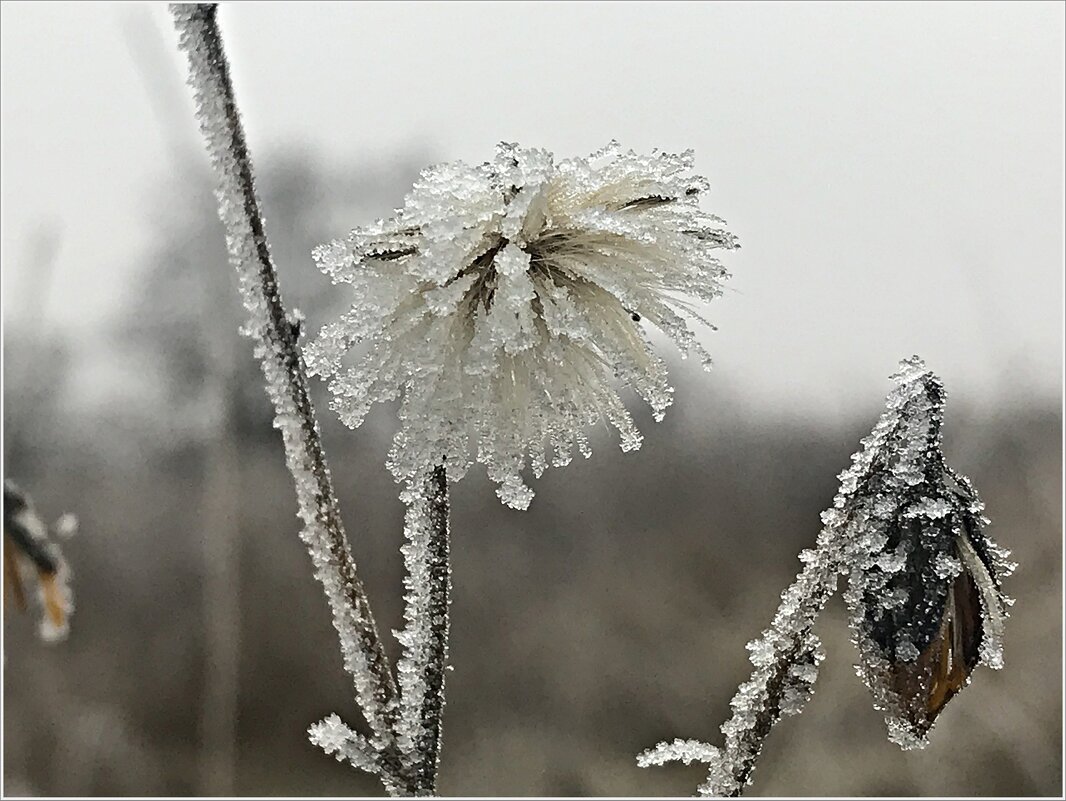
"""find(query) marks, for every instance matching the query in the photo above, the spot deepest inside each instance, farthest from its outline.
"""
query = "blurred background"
(895, 177)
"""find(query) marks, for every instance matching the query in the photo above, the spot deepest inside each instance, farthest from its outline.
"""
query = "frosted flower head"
(504, 301)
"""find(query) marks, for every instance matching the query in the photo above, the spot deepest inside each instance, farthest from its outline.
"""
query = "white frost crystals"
(503, 300)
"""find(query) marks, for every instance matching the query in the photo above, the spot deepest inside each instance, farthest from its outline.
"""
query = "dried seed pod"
(32, 558)
(925, 592)
(505, 303)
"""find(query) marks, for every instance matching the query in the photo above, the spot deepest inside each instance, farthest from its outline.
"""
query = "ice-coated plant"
(502, 303)
(924, 593)
(505, 301)
(275, 331)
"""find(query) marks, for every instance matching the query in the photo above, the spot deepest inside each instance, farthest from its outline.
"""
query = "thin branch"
(425, 639)
(276, 347)
(786, 660)
(334, 737)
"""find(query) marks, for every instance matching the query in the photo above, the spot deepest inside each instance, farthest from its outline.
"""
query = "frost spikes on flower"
(32, 558)
(925, 592)
(503, 301)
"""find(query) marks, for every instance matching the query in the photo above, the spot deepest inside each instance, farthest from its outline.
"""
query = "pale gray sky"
(894, 172)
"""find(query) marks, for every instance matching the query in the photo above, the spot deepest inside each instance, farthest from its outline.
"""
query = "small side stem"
(786, 660)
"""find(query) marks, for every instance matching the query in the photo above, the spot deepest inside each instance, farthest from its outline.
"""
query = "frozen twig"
(275, 335)
(786, 660)
(334, 737)
(425, 639)
(924, 593)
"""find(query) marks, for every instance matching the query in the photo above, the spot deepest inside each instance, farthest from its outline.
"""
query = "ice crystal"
(503, 301)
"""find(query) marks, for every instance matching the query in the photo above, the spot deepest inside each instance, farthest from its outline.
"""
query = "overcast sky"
(894, 172)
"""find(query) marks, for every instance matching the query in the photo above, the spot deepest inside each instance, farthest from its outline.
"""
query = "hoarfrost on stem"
(425, 638)
(924, 592)
(503, 300)
(334, 737)
(274, 334)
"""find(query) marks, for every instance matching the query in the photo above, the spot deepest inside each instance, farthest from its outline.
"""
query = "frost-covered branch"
(425, 638)
(275, 336)
(425, 651)
(334, 737)
(924, 593)
(786, 660)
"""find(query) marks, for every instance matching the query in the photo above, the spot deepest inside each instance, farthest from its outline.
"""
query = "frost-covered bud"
(924, 592)
(503, 301)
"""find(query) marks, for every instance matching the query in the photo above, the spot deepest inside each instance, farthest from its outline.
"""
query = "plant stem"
(440, 591)
(425, 639)
(775, 689)
(276, 334)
